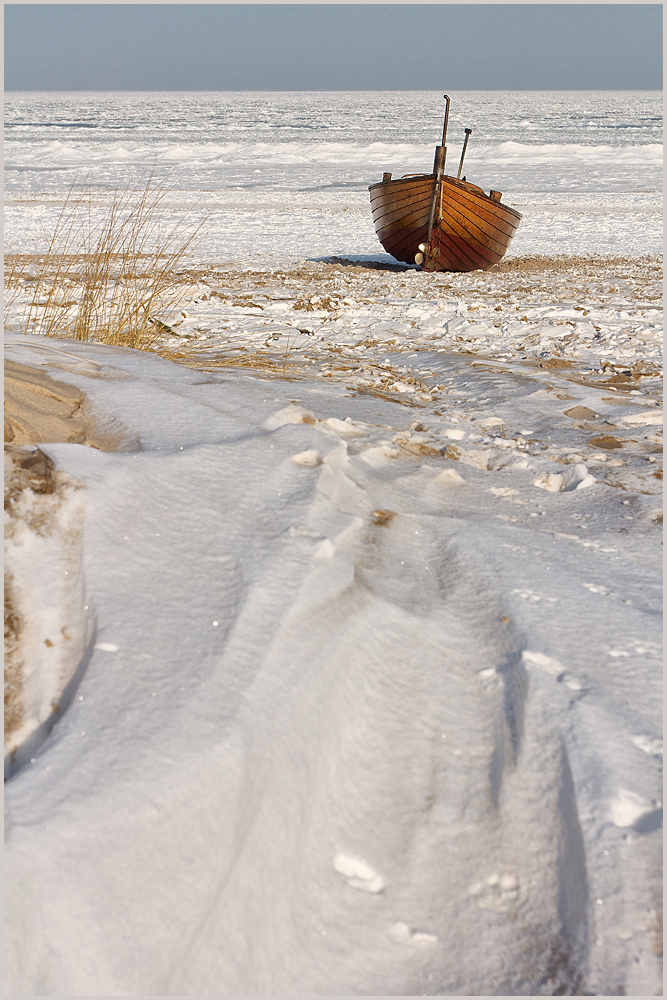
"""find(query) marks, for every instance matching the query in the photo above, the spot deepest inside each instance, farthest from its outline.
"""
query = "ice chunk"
(491, 422)
(292, 414)
(477, 458)
(379, 455)
(359, 874)
(344, 428)
(508, 881)
(648, 745)
(628, 807)
(639, 419)
(449, 476)
(401, 932)
(325, 549)
(575, 478)
(421, 937)
(547, 663)
(451, 325)
(309, 457)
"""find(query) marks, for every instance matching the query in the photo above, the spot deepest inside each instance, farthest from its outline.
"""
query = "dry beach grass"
(110, 281)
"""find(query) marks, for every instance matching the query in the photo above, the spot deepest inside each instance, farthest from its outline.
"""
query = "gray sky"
(333, 46)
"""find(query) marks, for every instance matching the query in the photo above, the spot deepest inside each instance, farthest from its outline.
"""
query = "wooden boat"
(441, 222)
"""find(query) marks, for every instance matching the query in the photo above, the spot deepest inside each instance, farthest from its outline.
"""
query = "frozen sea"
(284, 176)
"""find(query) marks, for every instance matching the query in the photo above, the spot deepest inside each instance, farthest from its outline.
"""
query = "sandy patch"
(41, 409)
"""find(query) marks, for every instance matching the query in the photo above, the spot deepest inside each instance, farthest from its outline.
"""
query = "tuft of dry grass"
(110, 280)
(207, 358)
(291, 351)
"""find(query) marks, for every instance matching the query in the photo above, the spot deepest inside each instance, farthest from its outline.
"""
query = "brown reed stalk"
(114, 280)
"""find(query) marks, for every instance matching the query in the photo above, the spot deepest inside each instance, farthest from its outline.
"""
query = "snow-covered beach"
(364, 571)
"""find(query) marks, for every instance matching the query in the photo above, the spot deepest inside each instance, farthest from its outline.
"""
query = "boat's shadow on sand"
(359, 261)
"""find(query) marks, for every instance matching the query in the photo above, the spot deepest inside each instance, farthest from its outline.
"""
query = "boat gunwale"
(473, 191)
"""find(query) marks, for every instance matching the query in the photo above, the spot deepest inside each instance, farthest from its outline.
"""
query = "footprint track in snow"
(415, 766)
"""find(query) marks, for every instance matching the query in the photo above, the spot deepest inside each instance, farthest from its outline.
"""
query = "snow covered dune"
(343, 732)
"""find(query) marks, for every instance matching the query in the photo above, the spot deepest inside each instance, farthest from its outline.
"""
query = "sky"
(333, 46)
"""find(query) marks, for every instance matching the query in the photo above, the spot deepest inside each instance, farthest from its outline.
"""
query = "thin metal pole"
(468, 132)
(444, 127)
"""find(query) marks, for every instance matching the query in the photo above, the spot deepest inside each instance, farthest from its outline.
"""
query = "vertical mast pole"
(438, 169)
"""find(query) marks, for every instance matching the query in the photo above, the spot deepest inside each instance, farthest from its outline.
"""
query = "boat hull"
(472, 230)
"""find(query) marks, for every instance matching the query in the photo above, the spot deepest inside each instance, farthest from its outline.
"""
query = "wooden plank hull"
(472, 231)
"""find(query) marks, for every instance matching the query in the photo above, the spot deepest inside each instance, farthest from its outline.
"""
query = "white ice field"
(282, 177)
(371, 691)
